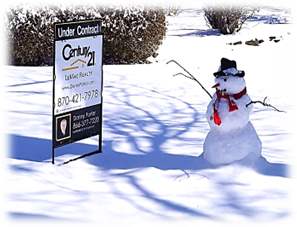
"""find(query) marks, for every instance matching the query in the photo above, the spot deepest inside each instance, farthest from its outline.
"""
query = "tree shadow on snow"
(152, 127)
(270, 19)
(198, 32)
(11, 218)
(29, 83)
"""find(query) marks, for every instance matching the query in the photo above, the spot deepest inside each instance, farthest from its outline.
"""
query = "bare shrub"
(173, 9)
(228, 18)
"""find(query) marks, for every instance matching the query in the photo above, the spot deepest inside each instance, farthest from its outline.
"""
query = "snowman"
(232, 136)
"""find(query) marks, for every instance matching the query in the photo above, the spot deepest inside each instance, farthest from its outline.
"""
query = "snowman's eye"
(225, 80)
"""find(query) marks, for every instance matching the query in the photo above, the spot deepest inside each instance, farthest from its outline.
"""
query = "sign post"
(77, 83)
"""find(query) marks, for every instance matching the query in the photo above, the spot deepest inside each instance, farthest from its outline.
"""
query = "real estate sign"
(77, 82)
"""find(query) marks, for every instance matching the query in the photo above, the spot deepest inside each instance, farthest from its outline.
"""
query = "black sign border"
(96, 20)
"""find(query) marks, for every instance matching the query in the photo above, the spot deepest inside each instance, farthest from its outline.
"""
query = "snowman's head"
(229, 84)
(229, 80)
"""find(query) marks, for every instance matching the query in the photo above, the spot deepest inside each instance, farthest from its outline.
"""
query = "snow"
(154, 126)
(241, 145)
(232, 71)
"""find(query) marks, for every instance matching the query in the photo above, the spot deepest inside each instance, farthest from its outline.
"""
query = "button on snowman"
(232, 136)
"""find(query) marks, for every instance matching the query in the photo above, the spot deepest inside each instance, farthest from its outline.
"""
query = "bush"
(228, 18)
(30, 39)
(173, 8)
(131, 34)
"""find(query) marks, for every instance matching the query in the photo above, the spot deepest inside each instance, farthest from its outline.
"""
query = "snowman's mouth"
(221, 91)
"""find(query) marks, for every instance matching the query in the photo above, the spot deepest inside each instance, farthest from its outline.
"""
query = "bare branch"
(264, 104)
(189, 77)
(184, 76)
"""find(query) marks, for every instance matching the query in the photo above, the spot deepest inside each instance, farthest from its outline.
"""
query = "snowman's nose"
(216, 85)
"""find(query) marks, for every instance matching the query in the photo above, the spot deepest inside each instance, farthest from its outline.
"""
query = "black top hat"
(227, 64)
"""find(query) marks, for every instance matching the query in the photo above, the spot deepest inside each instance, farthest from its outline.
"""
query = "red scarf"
(232, 105)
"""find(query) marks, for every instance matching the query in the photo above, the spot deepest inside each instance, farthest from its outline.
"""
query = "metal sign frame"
(77, 83)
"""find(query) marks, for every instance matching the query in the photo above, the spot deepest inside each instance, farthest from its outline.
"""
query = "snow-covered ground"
(154, 126)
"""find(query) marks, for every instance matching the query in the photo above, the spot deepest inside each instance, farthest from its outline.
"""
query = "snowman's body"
(232, 136)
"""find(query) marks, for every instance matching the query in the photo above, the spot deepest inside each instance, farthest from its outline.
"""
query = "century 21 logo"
(68, 52)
